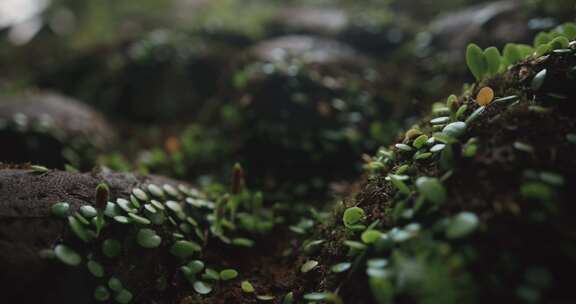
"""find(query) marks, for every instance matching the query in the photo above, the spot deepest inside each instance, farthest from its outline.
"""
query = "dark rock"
(306, 105)
(50, 129)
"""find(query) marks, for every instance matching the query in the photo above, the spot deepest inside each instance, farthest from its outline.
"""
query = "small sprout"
(341, 267)
(462, 225)
(202, 287)
(124, 296)
(353, 216)
(228, 274)
(67, 255)
(184, 249)
(432, 189)
(370, 236)
(39, 169)
(111, 248)
(102, 195)
(476, 61)
(88, 211)
(95, 268)
(155, 191)
(420, 141)
(308, 266)
(60, 209)
(140, 194)
(238, 182)
(455, 129)
(247, 287)
(148, 238)
(524, 147)
(485, 96)
(101, 293)
(538, 80)
(403, 147)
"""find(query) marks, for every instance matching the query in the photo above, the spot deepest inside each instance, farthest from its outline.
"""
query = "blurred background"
(294, 90)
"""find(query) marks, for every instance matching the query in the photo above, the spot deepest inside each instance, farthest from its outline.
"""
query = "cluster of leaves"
(179, 221)
(419, 253)
(489, 62)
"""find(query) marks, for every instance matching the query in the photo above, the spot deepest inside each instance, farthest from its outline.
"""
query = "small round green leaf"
(184, 249)
(228, 274)
(247, 287)
(462, 225)
(60, 209)
(95, 268)
(202, 287)
(432, 189)
(67, 255)
(111, 248)
(101, 293)
(148, 238)
(352, 216)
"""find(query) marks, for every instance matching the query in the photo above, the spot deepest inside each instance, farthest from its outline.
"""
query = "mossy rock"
(165, 76)
(487, 216)
(52, 130)
(53, 251)
(302, 105)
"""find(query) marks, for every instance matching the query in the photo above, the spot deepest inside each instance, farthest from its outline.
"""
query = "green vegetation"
(488, 62)
(295, 184)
